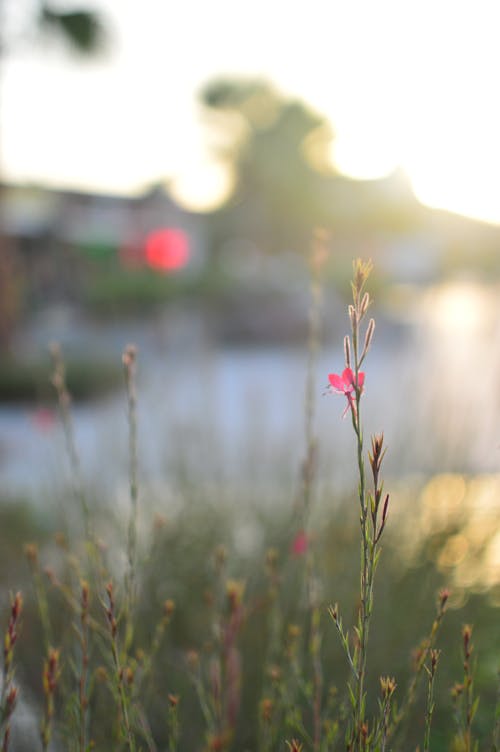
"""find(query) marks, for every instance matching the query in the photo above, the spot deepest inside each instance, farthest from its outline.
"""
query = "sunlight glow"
(456, 308)
(409, 85)
(454, 523)
(470, 556)
(202, 185)
(421, 95)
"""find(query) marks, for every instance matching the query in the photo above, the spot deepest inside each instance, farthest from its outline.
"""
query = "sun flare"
(410, 85)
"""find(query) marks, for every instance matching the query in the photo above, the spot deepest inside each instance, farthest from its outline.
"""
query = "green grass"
(176, 560)
(191, 641)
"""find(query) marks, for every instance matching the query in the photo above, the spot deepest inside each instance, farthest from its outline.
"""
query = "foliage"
(177, 640)
(268, 141)
(118, 293)
(81, 28)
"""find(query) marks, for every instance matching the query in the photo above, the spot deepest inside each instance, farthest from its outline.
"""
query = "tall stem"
(357, 311)
(366, 574)
(129, 361)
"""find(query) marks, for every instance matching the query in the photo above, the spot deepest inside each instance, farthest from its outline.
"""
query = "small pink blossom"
(43, 419)
(300, 543)
(346, 385)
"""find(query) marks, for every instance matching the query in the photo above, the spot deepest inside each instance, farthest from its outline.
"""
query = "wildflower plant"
(108, 674)
(465, 702)
(373, 507)
(9, 693)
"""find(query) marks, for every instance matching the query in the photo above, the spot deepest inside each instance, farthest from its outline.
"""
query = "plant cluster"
(112, 679)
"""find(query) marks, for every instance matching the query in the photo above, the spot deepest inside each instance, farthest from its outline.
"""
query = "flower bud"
(347, 351)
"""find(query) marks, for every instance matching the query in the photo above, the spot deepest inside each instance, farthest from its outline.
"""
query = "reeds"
(8, 699)
(108, 657)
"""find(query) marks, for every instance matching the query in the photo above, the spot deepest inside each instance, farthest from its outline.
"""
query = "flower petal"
(361, 379)
(336, 381)
(348, 377)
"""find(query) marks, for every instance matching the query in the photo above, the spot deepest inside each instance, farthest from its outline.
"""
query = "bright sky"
(409, 83)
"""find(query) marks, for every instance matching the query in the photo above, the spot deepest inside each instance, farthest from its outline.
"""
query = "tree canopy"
(278, 149)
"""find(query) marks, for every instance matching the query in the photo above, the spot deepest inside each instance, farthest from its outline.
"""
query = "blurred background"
(163, 169)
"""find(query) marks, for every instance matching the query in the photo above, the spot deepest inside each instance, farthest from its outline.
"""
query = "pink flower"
(43, 419)
(346, 384)
(300, 544)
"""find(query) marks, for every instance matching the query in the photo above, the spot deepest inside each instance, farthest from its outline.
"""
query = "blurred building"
(59, 237)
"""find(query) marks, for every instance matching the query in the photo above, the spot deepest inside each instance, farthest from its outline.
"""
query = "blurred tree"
(83, 30)
(278, 150)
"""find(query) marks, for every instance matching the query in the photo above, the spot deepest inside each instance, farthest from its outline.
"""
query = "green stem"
(367, 548)
(123, 698)
(429, 712)
(129, 360)
(366, 575)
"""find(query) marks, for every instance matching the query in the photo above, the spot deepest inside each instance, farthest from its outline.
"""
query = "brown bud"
(387, 685)
(51, 672)
(467, 636)
(361, 272)
(129, 676)
(275, 673)
(160, 521)
(31, 552)
(61, 540)
(266, 709)
(17, 606)
(347, 351)
(12, 699)
(129, 356)
(234, 593)
(295, 746)
(434, 660)
(193, 659)
(385, 508)
(377, 453)
(444, 594)
(368, 336)
(168, 608)
(365, 302)
(218, 743)
(457, 690)
(85, 594)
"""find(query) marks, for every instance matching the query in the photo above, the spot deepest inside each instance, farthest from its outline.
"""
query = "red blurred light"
(167, 249)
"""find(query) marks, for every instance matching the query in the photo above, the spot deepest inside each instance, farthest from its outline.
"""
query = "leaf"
(351, 696)
(474, 708)
(82, 29)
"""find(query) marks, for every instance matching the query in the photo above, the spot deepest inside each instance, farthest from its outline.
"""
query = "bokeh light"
(167, 249)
